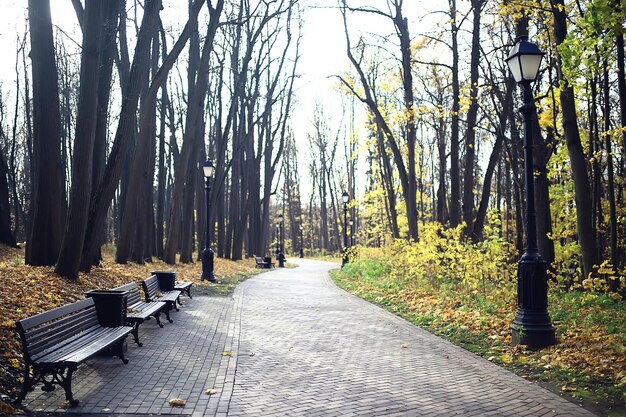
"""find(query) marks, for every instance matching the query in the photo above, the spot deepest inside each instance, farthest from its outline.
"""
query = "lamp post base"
(207, 265)
(281, 260)
(532, 326)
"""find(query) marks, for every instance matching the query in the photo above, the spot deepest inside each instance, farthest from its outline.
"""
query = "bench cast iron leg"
(157, 316)
(66, 383)
(26, 386)
(120, 351)
(136, 334)
(167, 314)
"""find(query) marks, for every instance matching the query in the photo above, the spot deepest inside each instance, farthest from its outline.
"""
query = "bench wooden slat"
(88, 347)
(41, 331)
(66, 336)
(53, 314)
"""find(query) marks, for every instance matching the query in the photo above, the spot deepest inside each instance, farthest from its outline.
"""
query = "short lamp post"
(281, 254)
(532, 325)
(301, 242)
(207, 254)
(345, 198)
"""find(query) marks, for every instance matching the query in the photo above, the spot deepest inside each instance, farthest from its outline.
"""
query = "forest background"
(108, 112)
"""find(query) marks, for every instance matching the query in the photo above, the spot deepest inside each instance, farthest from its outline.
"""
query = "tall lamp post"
(301, 243)
(345, 198)
(281, 254)
(207, 254)
(532, 325)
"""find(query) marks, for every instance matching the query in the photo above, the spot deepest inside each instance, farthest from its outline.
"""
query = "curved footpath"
(290, 343)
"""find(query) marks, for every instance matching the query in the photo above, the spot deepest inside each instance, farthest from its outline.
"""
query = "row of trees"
(444, 132)
(108, 146)
(105, 148)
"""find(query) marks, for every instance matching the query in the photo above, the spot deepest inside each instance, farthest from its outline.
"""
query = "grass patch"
(588, 364)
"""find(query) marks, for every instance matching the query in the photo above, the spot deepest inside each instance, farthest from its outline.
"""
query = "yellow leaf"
(210, 391)
(404, 346)
(565, 388)
(506, 358)
(227, 353)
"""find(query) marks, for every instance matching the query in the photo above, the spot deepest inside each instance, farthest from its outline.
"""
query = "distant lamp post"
(532, 325)
(301, 243)
(281, 254)
(345, 198)
(207, 254)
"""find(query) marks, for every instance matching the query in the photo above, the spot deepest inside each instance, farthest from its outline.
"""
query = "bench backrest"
(259, 260)
(41, 332)
(134, 297)
(150, 287)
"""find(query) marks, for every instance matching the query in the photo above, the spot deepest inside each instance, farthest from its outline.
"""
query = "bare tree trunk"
(455, 174)
(195, 107)
(582, 188)
(470, 133)
(82, 165)
(122, 144)
(48, 182)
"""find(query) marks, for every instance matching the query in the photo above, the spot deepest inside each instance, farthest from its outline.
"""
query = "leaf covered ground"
(469, 299)
(27, 290)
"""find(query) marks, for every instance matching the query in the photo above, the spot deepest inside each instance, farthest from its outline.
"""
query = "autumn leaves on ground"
(467, 294)
(27, 290)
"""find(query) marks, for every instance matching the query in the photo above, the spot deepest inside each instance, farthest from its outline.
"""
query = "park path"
(290, 343)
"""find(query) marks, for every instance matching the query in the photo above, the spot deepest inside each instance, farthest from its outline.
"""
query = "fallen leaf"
(227, 353)
(210, 391)
(565, 388)
(404, 346)
(176, 402)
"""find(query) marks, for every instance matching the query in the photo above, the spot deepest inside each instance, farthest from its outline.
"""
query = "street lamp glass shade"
(351, 223)
(208, 169)
(524, 61)
(280, 218)
(345, 197)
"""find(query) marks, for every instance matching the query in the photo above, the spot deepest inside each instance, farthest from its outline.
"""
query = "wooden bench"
(139, 311)
(152, 292)
(184, 287)
(55, 342)
(263, 263)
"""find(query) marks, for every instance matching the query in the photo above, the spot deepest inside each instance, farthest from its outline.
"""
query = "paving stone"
(301, 347)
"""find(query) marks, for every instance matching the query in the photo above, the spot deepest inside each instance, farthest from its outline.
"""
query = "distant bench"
(55, 342)
(139, 311)
(265, 263)
(152, 292)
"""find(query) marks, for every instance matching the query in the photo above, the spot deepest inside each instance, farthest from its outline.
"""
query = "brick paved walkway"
(300, 347)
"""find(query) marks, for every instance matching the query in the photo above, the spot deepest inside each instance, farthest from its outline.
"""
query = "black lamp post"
(532, 325)
(351, 232)
(301, 243)
(281, 254)
(345, 198)
(207, 254)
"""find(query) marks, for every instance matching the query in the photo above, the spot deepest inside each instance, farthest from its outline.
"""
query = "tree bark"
(48, 181)
(582, 188)
(470, 133)
(82, 164)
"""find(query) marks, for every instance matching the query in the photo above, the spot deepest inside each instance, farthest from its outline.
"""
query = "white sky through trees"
(322, 54)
